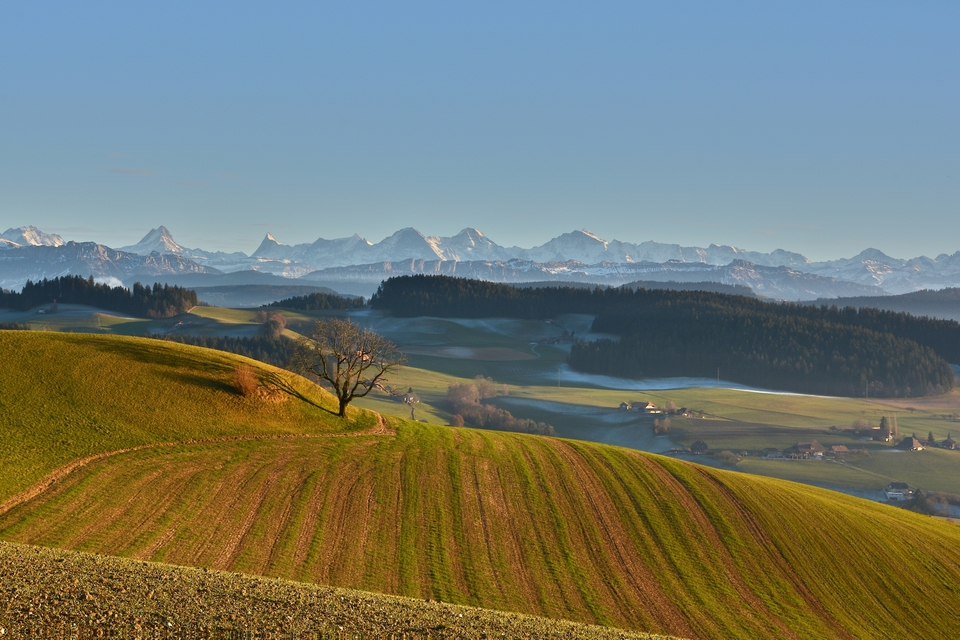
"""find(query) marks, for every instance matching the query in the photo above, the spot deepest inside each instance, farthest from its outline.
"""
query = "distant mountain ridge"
(36, 262)
(577, 256)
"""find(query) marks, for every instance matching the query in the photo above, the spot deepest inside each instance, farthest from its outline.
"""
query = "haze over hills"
(577, 256)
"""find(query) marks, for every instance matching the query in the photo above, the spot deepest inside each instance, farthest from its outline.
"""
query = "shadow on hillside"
(187, 368)
(199, 381)
(173, 358)
(281, 383)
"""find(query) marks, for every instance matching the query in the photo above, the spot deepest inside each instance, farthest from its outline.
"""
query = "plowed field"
(521, 523)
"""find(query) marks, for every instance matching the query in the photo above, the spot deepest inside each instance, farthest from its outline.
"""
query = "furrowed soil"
(536, 525)
(51, 593)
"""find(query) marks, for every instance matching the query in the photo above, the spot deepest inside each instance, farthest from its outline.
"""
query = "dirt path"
(382, 428)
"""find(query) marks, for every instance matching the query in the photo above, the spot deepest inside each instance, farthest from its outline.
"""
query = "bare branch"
(339, 354)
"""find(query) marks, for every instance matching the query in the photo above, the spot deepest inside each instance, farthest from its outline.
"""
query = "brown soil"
(48, 593)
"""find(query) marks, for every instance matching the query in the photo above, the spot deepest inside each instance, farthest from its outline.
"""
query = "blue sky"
(823, 128)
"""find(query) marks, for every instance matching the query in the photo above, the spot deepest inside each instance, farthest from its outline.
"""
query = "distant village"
(886, 431)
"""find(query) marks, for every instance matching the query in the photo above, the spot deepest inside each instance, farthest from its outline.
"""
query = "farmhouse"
(949, 443)
(646, 407)
(910, 444)
(804, 450)
(838, 450)
(699, 447)
(898, 491)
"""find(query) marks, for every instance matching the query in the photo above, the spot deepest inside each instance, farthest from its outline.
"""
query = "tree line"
(319, 302)
(795, 354)
(809, 349)
(158, 301)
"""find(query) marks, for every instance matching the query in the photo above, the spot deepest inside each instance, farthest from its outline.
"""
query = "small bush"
(661, 427)
(245, 381)
(457, 420)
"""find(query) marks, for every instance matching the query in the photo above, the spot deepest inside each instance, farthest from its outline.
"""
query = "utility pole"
(558, 376)
(718, 377)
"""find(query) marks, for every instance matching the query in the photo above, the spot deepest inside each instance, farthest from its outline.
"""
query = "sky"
(818, 127)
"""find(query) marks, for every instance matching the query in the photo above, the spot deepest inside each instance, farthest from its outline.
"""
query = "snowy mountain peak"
(159, 240)
(875, 255)
(32, 236)
(271, 248)
(407, 232)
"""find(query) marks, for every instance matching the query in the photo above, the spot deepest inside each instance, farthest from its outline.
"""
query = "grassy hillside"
(66, 396)
(537, 525)
(551, 527)
(51, 593)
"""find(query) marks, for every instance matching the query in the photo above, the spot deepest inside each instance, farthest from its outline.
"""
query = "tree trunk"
(343, 408)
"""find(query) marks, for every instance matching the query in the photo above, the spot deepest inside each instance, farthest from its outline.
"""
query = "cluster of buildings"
(650, 408)
(812, 450)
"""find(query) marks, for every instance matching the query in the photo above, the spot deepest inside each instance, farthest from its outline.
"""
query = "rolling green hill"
(546, 526)
(67, 396)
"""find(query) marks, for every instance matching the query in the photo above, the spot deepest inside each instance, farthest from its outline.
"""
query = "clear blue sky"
(819, 127)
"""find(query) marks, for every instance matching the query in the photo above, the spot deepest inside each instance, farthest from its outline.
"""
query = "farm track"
(381, 428)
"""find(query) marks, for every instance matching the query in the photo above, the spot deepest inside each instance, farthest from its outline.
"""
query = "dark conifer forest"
(318, 302)
(807, 349)
(159, 301)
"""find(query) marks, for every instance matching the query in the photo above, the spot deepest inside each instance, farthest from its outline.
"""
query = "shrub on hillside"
(245, 381)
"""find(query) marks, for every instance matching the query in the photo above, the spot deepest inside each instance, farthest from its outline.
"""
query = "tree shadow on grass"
(158, 355)
(182, 365)
(283, 384)
(199, 381)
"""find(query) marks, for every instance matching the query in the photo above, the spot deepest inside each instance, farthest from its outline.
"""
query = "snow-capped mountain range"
(28, 253)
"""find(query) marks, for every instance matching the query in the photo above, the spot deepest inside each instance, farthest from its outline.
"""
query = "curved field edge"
(545, 526)
(65, 397)
(51, 592)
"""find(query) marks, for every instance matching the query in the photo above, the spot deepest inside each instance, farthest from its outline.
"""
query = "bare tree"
(349, 359)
